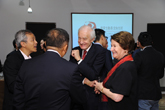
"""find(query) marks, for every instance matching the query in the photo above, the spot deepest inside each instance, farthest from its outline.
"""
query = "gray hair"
(20, 36)
(86, 27)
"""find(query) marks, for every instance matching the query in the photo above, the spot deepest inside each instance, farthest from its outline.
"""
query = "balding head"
(58, 39)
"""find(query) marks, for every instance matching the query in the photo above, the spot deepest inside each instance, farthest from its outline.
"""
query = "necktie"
(84, 54)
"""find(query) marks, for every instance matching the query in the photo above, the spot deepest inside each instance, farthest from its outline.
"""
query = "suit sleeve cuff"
(79, 61)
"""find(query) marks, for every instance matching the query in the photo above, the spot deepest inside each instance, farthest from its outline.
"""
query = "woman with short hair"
(119, 88)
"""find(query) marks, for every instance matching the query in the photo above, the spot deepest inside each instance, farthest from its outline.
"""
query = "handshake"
(96, 84)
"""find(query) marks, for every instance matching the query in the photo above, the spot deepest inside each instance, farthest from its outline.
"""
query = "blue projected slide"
(111, 23)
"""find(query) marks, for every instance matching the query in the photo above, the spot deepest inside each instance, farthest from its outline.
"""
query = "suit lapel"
(20, 55)
(90, 53)
(80, 52)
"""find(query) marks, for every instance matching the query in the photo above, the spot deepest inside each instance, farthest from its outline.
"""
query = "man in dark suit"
(49, 82)
(27, 44)
(150, 66)
(101, 40)
(90, 64)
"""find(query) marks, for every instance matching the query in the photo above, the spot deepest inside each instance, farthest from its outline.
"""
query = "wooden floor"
(161, 102)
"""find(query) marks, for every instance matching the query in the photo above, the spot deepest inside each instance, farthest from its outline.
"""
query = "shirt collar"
(25, 56)
(98, 43)
(51, 50)
(88, 48)
(146, 47)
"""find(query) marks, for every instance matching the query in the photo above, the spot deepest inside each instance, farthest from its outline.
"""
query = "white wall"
(13, 16)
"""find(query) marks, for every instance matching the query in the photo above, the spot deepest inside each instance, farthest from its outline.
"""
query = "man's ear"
(64, 50)
(102, 37)
(66, 47)
(23, 44)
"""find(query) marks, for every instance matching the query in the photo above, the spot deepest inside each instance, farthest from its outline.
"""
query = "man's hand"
(76, 55)
(98, 87)
(88, 82)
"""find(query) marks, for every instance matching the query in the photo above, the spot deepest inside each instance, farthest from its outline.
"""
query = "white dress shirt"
(83, 53)
(25, 56)
(51, 50)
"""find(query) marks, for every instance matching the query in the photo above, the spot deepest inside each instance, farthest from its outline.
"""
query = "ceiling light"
(29, 9)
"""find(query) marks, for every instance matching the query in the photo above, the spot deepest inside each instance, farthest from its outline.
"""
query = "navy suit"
(150, 66)
(48, 82)
(11, 67)
(91, 68)
(107, 65)
(106, 68)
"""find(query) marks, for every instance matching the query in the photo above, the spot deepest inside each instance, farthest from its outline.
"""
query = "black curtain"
(157, 31)
(40, 30)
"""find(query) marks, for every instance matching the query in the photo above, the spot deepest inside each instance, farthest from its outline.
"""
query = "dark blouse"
(124, 81)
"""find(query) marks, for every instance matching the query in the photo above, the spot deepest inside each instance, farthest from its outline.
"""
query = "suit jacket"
(93, 63)
(11, 67)
(91, 68)
(48, 82)
(107, 65)
(150, 66)
(137, 50)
